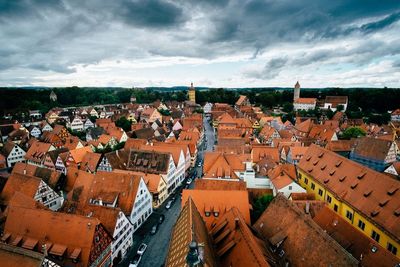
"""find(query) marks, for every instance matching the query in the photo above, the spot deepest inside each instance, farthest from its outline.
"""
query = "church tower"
(296, 94)
(192, 94)
(53, 96)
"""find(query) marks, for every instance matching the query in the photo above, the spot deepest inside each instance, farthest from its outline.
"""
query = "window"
(290, 187)
(349, 215)
(375, 236)
(305, 180)
(312, 186)
(391, 248)
(320, 192)
(361, 225)
(335, 207)
(329, 198)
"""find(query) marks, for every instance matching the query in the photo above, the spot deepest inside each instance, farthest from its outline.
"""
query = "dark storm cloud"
(57, 35)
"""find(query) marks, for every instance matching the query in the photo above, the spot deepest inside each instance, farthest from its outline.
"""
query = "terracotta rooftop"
(223, 165)
(372, 148)
(11, 256)
(262, 151)
(50, 177)
(303, 100)
(90, 161)
(241, 99)
(189, 227)
(25, 184)
(284, 226)
(209, 202)
(340, 145)
(235, 243)
(336, 100)
(215, 184)
(132, 143)
(38, 151)
(79, 153)
(359, 245)
(371, 193)
(55, 229)
(148, 161)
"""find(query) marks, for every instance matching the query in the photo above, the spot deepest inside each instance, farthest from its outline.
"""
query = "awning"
(5, 237)
(30, 243)
(75, 254)
(58, 249)
(16, 241)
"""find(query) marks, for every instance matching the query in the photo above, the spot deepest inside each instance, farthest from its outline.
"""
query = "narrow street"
(157, 245)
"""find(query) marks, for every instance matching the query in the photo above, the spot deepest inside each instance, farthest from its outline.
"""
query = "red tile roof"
(283, 224)
(349, 181)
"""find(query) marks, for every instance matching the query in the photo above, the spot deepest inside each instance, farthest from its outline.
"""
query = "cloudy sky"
(225, 43)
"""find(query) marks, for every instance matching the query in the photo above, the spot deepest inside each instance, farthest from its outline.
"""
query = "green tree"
(260, 204)
(340, 108)
(124, 123)
(353, 132)
(288, 107)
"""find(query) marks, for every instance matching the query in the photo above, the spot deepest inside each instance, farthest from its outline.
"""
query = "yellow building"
(192, 93)
(367, 199)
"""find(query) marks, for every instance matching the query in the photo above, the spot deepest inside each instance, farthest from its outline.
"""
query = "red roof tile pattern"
(358, 179)
(285, 226)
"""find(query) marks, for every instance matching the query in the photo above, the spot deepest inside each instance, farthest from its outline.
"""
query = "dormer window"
(216, 214)
(207, 213)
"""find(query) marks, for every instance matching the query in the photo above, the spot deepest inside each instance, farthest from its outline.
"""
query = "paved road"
(157, 245)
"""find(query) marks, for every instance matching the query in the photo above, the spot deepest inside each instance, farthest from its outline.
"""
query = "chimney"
(89, 225)
(307, 207)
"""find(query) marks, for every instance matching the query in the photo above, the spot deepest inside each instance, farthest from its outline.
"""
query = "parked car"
(161, 219)
(154, 229)
(141, 249)
(135, 261)
(169, 204)
(189, 181)
(173, 198)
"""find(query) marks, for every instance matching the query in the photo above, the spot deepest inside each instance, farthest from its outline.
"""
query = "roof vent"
(354, 185)
(326, 180)
(341, 179)
(397, 212)
(338, 163)
(332, 172)
(374, 213)
(361, 175)
(367, 193)
(320, 155)
(383, 202)
(323, 167)
(392, 190)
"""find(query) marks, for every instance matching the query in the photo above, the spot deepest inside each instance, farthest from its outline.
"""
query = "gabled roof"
(350, 182)
(56, 230)
(336, 100)
(304, 126)
(223, 165)
(25, 184)
(359, 245)
(340, 145)
(241, 100)
(148, 161)
(50, 177)
(285, 226)
(12, 256)
(37, 151)
(108, 185)
(90, 161)
(189, 227)
(220, 201)
(8, 147)
(132, 143)
(215, 184)
(303, 100)
(79, 153)
(261, 151)
(372, 148)
(235, 243)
